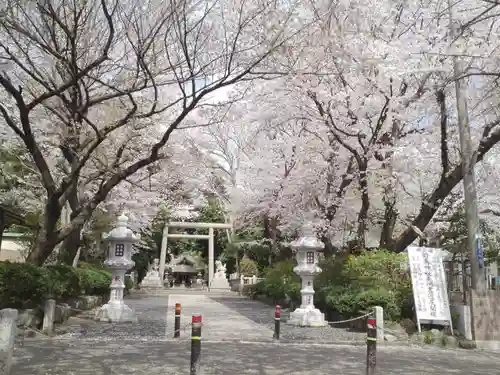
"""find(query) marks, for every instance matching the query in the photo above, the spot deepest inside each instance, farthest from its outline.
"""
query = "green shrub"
(94, 281)
(63, 282)
(428, 337)
(94, 266)
(24, 285)
(260, 287)
(250, 291)
(348, 285)
(352, 285)
(351, 302)
(248, 267)
(280, 283)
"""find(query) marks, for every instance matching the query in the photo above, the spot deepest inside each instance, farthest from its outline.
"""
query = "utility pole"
(476, 253)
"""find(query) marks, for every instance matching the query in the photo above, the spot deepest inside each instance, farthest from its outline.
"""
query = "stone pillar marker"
(49, 311)
(120, 241)
(8, 331)
(307, 247)
(379, 317)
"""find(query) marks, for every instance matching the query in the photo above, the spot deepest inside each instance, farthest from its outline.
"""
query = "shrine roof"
(183, 268)
(196, 263)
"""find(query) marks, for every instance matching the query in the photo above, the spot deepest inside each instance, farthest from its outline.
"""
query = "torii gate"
(209, 237)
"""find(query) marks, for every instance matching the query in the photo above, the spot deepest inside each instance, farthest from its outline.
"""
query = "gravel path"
(262, 314)
(152, 313)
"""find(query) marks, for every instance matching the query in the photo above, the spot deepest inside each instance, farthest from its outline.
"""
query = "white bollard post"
(379, 318)
(49, 311)
(8, 331)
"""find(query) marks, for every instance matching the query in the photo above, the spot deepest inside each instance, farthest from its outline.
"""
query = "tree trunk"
(360, 243)
(274, 239)
(427, 210)
(270, 234)
(329, 250)
(390, 217)
(44, 247)
(47, 238)
(72, 243)
(266, 224)
(70, 246)
(390, 191)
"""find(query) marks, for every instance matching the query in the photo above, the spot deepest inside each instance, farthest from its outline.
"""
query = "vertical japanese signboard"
(429, 286)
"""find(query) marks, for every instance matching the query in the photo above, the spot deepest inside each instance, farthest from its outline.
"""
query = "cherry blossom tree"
(375, 120)
(94, 90)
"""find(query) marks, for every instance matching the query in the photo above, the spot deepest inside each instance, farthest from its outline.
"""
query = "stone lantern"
(307, 268)
(119, 241)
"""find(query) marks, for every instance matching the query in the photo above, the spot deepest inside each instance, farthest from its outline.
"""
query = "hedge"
(24, 285)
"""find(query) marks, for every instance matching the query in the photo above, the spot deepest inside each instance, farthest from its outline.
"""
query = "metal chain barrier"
(183, 328)
(277, 321)
(177, 322)
(351, 320)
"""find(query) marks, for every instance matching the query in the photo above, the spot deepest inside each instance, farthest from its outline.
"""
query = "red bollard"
(277, 322)
(195, 343)
(177, 323)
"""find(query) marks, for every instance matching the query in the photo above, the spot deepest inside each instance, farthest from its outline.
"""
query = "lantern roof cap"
(308, 239)
(121, 232)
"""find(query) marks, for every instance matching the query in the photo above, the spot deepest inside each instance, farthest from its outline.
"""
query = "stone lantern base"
(116, 313)
(308, 316)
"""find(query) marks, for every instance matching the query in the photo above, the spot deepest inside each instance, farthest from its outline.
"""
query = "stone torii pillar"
(209, 237)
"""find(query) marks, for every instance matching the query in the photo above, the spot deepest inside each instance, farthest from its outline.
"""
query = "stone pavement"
(262, 314)
(237, 339)
(220, 321)
(172, 358)
(156, 320)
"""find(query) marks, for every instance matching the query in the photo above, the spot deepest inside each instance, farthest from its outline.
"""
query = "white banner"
(429, 284)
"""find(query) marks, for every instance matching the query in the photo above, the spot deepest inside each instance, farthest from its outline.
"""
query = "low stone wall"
(33, 318)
